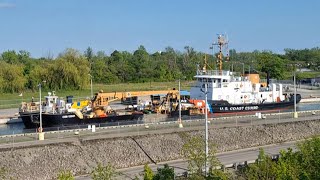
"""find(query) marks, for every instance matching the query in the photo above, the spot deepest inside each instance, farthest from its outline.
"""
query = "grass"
(14, 100)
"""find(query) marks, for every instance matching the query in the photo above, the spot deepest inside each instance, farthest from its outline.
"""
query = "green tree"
(76, 69)
(103, 72)
(189, 61)
(89, 54)
(107, 172)
(165, 173)
(194, 151)
(65, 175)
(64, 75)
(12, 77)
(301, 164)
(10, 57)
(272, 64)
(309, 58)
(119, 61)
(38, 74)
(148, 173)
(288, 165)
(218, 174)
(308, 156)
(142, 64)
(263, 168)
(23, 56)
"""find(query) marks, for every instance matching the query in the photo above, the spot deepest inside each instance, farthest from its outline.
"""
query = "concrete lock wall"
(44, 162)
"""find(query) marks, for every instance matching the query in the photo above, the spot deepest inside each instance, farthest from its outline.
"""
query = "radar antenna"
(223, 48)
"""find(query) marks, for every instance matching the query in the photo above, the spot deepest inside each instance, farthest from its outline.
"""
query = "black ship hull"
(32, 120)
(224, 107)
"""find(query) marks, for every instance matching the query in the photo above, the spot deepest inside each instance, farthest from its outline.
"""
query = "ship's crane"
(102, 99)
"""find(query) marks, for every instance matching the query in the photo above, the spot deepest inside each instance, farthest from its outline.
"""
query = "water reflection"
(308, 106)
(16, 128)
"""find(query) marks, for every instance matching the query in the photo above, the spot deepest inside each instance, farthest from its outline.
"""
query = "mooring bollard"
(259, 115)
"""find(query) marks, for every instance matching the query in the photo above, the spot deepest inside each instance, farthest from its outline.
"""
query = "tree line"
(72, 69)
(302, 163)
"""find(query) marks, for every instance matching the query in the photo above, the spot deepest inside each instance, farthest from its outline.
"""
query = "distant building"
(304, 70)
(311, 81)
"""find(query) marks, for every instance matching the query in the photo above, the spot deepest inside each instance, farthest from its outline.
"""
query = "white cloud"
(7, 5)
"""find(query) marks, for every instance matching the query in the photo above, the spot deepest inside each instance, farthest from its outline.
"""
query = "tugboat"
(56, 112)
(229, 92)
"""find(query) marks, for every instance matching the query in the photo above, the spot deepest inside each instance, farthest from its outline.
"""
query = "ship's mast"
(204, 69)
(223, 46)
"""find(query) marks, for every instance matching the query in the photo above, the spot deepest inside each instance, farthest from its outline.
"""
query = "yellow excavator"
(80, 104)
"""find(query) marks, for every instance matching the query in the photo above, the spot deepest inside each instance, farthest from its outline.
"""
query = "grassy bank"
(14, 100)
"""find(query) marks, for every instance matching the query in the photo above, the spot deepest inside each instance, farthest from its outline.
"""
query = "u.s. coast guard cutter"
(229, 92)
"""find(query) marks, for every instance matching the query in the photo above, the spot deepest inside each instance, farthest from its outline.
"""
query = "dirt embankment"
(44, 162)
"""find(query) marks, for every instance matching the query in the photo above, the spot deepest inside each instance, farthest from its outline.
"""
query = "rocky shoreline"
(45, 161)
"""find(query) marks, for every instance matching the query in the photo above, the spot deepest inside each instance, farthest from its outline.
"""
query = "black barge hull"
(32, 120)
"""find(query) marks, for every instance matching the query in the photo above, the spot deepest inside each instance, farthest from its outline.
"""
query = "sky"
(45, 27)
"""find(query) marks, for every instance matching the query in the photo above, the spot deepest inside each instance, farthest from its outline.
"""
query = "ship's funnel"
(268, 79)
(253, 77)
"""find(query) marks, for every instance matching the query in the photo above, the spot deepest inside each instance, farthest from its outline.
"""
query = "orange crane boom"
(103, 99)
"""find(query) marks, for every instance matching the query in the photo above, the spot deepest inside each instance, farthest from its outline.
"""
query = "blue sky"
(43, 26)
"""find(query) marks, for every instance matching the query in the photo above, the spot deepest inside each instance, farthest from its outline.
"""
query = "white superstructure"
(227, 86)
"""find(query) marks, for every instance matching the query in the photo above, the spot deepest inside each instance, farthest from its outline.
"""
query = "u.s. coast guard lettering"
(239, 108)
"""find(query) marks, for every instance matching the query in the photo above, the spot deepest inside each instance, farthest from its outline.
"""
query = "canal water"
(18, 128)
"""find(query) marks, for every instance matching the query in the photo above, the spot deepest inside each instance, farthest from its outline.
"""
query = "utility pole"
(41, 133)
(40, 109)
(295, 114)
(206, 133)
(180, 120)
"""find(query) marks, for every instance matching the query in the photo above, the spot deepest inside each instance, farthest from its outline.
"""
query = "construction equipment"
(164, 105)
(103, 99)
(80, 104)
(168, 104)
